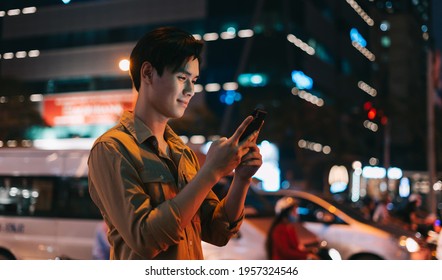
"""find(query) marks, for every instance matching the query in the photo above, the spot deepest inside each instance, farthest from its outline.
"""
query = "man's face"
(173, 90)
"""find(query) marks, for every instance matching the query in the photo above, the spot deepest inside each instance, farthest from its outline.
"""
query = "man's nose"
(189, 88)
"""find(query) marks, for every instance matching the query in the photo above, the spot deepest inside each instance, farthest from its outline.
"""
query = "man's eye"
(182, 78)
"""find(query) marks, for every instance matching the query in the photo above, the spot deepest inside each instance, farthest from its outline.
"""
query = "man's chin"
(178, 114)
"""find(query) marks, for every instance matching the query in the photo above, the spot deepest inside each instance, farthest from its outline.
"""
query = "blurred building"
(341, 80)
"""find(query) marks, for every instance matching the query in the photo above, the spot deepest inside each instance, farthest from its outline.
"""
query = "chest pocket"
(188, 170)
(159, 185)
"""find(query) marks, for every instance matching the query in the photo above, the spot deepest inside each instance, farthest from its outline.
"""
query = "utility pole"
(431, 153)
(387, 141)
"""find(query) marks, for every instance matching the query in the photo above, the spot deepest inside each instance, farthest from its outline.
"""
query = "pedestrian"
(282, 239)
(417, 219)
(368, 207)
(100, 248)
(381, 214)
(155, 198)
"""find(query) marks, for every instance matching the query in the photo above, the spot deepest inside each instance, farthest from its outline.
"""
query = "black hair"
(164, 47)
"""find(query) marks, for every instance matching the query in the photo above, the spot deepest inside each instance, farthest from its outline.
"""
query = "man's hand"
(250, 162)
(226, 154)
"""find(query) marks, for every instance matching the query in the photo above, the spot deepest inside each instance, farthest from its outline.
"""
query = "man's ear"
(146, 72)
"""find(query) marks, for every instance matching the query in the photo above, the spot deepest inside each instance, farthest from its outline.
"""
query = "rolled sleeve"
(163, 223)
(217, 228)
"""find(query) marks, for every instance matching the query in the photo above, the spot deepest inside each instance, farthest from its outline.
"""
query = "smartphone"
(258, 118)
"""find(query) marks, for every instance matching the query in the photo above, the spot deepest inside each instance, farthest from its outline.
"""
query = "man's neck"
(156, 126)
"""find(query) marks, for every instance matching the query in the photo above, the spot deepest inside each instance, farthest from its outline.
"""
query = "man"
(152, 193)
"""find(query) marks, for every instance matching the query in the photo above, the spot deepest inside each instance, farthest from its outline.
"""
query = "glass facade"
(273, 38)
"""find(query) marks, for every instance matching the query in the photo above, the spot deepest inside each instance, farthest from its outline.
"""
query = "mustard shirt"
(132, 184)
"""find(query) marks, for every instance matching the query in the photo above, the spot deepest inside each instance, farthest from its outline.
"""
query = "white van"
(45, 208)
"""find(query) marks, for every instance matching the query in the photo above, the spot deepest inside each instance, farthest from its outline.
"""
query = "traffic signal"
(371, 114)
(374, 114)
(367, 105)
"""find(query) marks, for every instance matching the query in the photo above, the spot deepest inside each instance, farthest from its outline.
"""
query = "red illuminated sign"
(86, 108)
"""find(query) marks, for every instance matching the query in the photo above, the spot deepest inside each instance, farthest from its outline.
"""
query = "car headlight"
(334, 254)
(409, 243)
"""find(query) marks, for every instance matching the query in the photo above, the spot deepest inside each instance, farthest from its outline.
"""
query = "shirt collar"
(135, 127)
(172, 137)
(142, 132)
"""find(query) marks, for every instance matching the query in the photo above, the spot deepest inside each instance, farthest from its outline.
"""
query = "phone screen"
(258, 119)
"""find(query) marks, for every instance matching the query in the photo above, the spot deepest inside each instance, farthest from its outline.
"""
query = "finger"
(253, 137)
(249, 159)
(251, 162)
(218, 141)
(251, 155)
(250, 144)
(240, 130)
(249, 141)
(261, 125)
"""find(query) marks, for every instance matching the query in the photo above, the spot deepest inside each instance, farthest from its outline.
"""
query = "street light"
(338, 178)
(124, 65)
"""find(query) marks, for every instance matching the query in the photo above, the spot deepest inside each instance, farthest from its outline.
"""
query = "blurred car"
(249, 242)
(333, 224)
(355, 237)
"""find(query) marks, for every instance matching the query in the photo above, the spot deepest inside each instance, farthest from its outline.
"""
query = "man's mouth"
(183, 102)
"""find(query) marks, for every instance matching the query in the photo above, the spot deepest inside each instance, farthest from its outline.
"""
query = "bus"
(45, 208)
